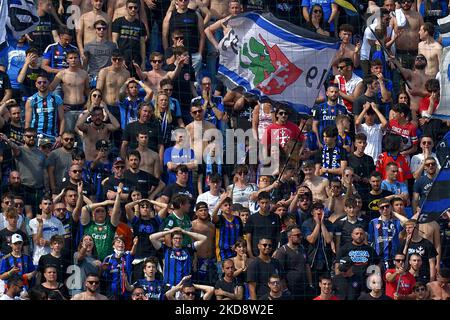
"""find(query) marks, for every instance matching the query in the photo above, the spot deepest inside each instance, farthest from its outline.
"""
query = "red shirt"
(425, 103)
(407, 130)
(404, 173)
(407, 284)
(331, 298)
(286, 132)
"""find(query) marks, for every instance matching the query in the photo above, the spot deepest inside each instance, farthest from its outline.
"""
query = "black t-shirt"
(71, 229)
(153, 132)
(289, 10)
(227, 286)
(363, 167)
(143, 229)
(293, 262)
(362, 256)
(425, 249)
(348, 288)
(187, 23)
(4, 84)
(61, 265)
(42, 35)
(88, 189)
(344, 228)
(367, 296)
(28, 87)
(142, 180)
(254, 5)
(62, 291)
(370, 204)
(111, 184)
(182, 86)
(263, 227)
(285, 295)
(130, 34)
(173, 189)
(259, 271)
(5, 240)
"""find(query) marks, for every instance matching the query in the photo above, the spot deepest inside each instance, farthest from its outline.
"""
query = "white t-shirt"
(350, 85)
(374, 139)
(368, 35)
(50, 228)
(210, 199)
(418, 159)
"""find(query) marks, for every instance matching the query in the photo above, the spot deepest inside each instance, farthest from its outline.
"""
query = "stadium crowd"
(112, 189)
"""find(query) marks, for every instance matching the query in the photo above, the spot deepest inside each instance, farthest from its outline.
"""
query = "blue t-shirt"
(326, 115)
(154, 290)
(210, 116)
(56, 54)
(14, 59)
(422, 186)
(395, 187)
(180, 156)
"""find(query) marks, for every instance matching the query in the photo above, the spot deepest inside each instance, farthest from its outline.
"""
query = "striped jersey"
(118, 272)
(177, 263)
(44, 113)
(384, 237)
(227, 233)
(154, 290)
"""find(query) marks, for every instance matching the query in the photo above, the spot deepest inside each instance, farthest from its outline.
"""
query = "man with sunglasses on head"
(350, 85)
(97, 53)
(423, 184)
(59, 161)
(92, 286)
(418, 160)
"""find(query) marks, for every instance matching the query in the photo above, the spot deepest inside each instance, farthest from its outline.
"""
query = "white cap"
(16, 238)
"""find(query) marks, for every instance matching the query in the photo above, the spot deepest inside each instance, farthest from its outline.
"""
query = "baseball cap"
(118, 160)
(16, 238)
(345, 264)
(44, 142)
(101, 144)
(201, 205)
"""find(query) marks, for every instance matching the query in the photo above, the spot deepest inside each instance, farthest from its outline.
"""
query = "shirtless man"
(234, 8)
(335, 201)
(196, 130)
(75, 85)
(85, 5)
(416, 79)
(96, 130)
(110, 80)
(149, 158)
(440, 289)
(203, 225)
(118, 8)
(347, 49)
(408, 41)
(219, 8)
(431, 49)
(86, 31)
(318, 185)
(154, 76)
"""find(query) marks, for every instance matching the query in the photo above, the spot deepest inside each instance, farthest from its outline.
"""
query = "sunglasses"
(317, 11)
(275, 282)
(69, 139)
(117, 59)
(100, 28)
(399, 260)
(427, 143)
(282, 113)
(132, 8)
(189, 293)
(196, 111)
(157, 61)
(60, 209)
(178, 38)
(96, 95)
(266, 245)
(41, 82)
(93, 282)
(76, 171)
(431, 164)
(383, 207)
(30, 136)
(18, 205)
(420, 289)
(341, 67)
